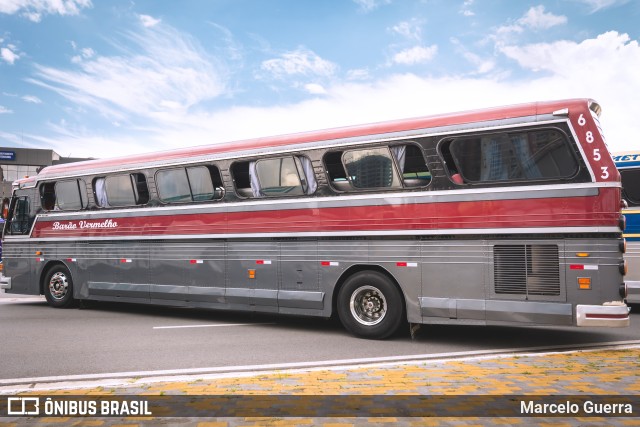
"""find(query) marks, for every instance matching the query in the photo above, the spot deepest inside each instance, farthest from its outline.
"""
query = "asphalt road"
(39, 341)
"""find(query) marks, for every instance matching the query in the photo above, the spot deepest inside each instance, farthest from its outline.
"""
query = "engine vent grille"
(526, 269)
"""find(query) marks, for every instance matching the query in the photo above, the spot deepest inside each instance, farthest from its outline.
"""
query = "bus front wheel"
(370, 305)
(58, 287)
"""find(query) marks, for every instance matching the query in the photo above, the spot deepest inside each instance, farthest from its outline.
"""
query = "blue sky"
(110, 78)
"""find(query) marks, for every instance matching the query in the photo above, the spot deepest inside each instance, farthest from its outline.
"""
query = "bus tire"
(370, 305)
(58, 286)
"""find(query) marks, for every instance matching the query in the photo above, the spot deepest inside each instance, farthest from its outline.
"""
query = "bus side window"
(70, 195)
(205, 183)
(127, 190)
(412, 165)
(48, 196)
(140, 188)
(195, 183)
(20, 223)
(501, 157)
(241, 179)
(371, 168)
(450, 164)
(336, 172)
(631, 185)
(281, 176)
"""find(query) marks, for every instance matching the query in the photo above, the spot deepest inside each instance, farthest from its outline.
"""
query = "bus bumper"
(5, 282)
(610, 315)
(633, 291)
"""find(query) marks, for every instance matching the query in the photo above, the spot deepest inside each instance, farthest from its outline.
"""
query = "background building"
(16, 163)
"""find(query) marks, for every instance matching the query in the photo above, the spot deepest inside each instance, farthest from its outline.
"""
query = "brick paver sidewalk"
(607, 373)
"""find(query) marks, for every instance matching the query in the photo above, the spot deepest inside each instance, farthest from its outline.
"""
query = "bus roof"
(496, 113)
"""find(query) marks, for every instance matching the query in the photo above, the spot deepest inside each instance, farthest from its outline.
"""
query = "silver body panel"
(443, 281)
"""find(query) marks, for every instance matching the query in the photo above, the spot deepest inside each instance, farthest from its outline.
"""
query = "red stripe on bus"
(425, 216)
(606, 316)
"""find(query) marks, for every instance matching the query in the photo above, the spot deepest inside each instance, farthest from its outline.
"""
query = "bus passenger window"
(127, 190)
(205, 183)
(412, 164)
(140, 188)
(241, 179)
(283, 176)
(71, 195)
(191, 184)
(173, 186)
(48, 196)
(535, 155)
(371, 168)
(335, 171)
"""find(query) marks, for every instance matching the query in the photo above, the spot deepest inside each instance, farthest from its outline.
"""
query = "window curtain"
(400, 153)
(312, 184)
(253, 176)
(101, 193)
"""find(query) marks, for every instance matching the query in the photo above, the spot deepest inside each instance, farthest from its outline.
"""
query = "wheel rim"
(368, 305)
(58, 285)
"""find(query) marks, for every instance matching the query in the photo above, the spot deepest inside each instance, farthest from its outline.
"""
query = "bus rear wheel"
(58, 287)
(370, 305)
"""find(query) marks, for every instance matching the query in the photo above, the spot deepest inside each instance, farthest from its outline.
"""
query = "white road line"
(212, 326)
(123, 379)
(10, 300)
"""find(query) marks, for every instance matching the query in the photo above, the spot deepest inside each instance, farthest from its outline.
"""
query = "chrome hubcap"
(368, 305)
(58, 285)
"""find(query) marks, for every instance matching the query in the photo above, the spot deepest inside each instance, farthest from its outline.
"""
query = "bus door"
(18, 255)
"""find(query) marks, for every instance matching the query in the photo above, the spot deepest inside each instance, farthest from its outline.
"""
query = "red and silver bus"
(506, 215)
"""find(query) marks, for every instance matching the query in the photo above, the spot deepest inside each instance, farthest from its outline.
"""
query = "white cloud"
(302, 61)
(370, 5)
(483, 65)
(315, 89)
(5, 110)
(148, 21)
(411, 30)
(466, 8)
(159, 69)
(610, 54)
(415, 55)
(8, 55)
(358, 74)
(85, 53)
(32, 99)
(597, 5)
(603, 68)
(34, 9)
(537, 19)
